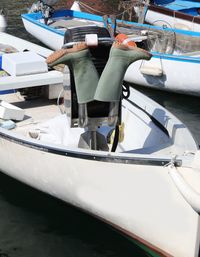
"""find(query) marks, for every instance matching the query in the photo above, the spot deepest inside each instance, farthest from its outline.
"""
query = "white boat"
(174, 51)
(144, 181)
(180, 14)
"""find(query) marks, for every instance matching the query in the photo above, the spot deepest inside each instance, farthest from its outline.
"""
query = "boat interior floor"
(66, 23)
(44, 117)
(37, 110)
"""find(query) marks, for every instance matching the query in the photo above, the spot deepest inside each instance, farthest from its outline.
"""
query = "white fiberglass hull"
(23, 45)
(138, 194)
(178, 74)
(140, 200)
(49, 37)
(159, 19)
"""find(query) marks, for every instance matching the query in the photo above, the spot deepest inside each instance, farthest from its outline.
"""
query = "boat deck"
(44, 115)
(37, 110)
(67, 23)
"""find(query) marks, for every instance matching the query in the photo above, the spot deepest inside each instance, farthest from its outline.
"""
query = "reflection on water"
(33, 224)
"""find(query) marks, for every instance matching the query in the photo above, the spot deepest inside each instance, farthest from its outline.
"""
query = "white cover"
(9, 111)
(23, 63)
(58, 131)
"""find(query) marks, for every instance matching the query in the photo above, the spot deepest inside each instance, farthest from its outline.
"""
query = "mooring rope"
(127, 8)
(90, 8)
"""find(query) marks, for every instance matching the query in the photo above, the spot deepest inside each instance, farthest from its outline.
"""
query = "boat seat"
(94, 114)
(69, 23)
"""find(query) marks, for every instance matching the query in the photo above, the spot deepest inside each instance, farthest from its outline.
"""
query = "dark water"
(34, 224)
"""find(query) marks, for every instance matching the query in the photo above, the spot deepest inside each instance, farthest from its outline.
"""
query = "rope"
(90, 8)
(127, 9)
(193, 23)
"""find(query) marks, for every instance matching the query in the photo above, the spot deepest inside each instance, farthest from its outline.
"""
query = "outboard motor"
(3, 23)
(94, 114)
(46, 7)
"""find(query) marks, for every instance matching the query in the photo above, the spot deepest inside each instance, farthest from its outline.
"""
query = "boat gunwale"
(34, 17)
(102, 156)
(183, 58)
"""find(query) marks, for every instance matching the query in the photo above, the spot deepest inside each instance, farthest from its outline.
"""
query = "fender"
(190, 195)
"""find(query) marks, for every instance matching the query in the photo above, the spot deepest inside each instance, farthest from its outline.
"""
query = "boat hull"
(47, 36)
(139, 199)
(170, 67)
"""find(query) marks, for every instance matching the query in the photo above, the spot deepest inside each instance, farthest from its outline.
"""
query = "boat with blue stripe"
(182, 14)
(175, 51)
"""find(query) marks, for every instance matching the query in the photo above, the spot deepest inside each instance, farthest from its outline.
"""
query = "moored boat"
(136, 168)
(173, 50)
(178, 14)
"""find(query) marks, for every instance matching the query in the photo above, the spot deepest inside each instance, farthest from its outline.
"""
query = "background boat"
(178, 14)
(174, 51)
